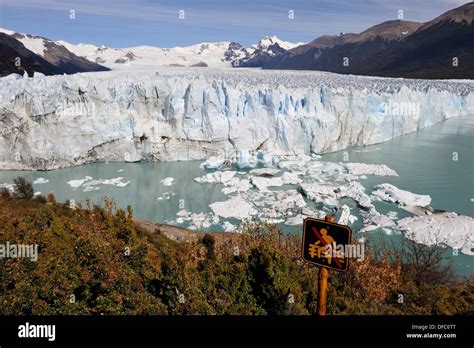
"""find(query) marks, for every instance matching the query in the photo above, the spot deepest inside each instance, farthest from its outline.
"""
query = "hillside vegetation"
(98, 260)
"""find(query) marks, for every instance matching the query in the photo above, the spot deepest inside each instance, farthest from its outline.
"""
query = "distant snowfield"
(210, 54)
(149, 57)
(195, 113)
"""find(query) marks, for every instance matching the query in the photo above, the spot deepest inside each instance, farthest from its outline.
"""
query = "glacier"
(49, 122)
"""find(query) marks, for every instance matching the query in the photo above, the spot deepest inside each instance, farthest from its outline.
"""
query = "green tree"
(24, 189)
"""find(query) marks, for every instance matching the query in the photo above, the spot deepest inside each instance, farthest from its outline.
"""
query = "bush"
(4, 192)
(24, 189)
(50, 198)
(209, 242)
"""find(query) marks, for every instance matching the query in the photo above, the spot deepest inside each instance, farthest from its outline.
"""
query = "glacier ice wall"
(173, 114)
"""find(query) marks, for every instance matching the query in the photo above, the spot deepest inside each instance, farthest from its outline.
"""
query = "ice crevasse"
(190, 114)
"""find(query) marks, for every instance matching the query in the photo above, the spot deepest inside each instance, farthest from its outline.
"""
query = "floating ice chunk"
(286, 200)
(286, 179)
(265, 158)
(332, 168)
(294, 162)
(373, 219)
(182, 213)
(78, 183)
(9, 187)
(213, 162)
(320, 193)
(40, 181)
(166, 195)
(356, 191)
(216, 177)
(200, 220)
(305, 212)
(390, 193)
(328, 194)
(264, 172)
(118, 182)
(228, 227)
(369, 169)
(345, 216)
(245, 160)
(235, 207)
(283, 202)
(290, 178)
(167, 181)
(296, 220)
(271, 220)
(441, 228)
(392, 215)
(236, 185)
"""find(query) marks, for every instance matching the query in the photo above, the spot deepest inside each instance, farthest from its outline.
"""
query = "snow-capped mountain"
(267, 48)
(188, 113)
(216, 55)
(204, 54)
(30, 48)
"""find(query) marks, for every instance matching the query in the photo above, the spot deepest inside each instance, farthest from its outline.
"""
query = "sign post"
(324, 243)
(323, 281)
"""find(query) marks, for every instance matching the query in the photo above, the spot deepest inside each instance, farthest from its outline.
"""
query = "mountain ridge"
(438, 49)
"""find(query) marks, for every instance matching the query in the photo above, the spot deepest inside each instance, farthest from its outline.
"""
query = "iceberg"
(235, 207)
(40, 181)
(213, 162)
(390, 193)
(369, 169)
(446, 228)
(220, 177)
(167, 181)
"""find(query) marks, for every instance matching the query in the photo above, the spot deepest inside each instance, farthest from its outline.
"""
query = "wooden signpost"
(323, 245)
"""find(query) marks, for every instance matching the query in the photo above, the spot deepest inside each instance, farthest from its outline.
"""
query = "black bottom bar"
(291, 331)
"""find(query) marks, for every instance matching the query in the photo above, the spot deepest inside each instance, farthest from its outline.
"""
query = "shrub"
(4, 192)
(24, 189)
(50, 198)
(208, 241)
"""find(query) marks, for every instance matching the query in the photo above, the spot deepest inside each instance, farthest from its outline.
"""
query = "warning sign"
(326, 243)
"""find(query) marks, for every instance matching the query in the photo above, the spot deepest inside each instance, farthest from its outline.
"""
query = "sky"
(126, 23)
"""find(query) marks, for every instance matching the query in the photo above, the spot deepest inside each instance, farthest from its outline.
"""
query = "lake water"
(437, 161)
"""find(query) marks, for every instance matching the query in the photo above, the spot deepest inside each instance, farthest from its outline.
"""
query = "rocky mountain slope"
(441, 48)
(41, 55)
